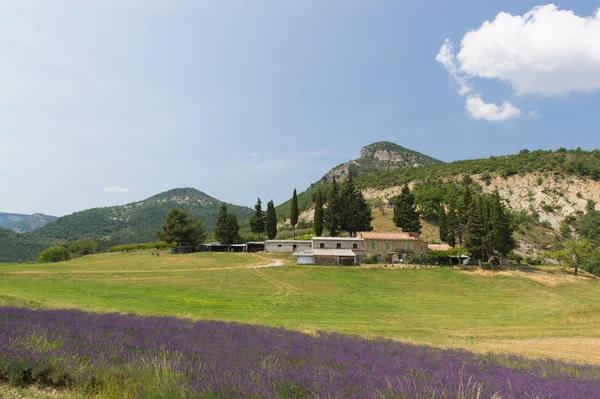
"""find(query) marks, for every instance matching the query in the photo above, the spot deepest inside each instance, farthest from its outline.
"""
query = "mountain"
(378, 157)
(23, 223)
(131, 223)
(544, 190)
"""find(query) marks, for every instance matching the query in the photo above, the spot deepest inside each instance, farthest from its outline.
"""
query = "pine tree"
(334, 210)
(355, 212)
(294, 212)
(222, 229)
(271, 220)
(318, 218)
(443, 224)
(405, 213)
(182, 229)
(257, 221)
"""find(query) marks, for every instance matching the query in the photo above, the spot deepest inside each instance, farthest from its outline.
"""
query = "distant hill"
(131, 223)
(23, 223)
(379, 157)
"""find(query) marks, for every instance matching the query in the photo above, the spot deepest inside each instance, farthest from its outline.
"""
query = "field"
(536, 312)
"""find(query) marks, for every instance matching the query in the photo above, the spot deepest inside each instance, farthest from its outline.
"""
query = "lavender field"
(129, 356)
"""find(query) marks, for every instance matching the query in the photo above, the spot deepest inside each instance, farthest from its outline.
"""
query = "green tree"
(451, 223)
(578, 251)
(355, 212)
(257, 222)
(502, 240)
(318, 218)
(226, 227)
(334, 210)
(233, 230)
(406, 216)
(271, 220)
(443, 224)
(54, 254)
(474, 234)
(294, 212)
(182, 229)
(83, 247)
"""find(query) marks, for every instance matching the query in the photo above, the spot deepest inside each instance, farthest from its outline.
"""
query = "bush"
(136, 247)
(54, 254)
(534, 261)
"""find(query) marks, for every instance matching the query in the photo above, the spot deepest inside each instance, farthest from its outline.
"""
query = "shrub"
(54, 254)
(534, 261)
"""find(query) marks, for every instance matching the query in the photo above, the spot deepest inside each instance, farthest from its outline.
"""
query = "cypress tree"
(271, 220)
(405, 213)
(294, 212)
(355, 212)
(475, 229)
(318, 219)
(451, 222)
(443, 224)
(502, 239)
(257, 222)
(233, 230)
(334, 210)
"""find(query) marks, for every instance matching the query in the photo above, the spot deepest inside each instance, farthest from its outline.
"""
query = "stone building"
(393, 246)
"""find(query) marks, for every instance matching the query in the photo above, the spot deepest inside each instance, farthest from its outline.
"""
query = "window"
(355, 246)
(338, 245)
(279, 245)
(373, 245)
(387, 246)
(408, 245)
(322, 245)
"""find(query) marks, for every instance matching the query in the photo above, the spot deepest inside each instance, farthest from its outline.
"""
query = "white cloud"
(546, 51)
(479, 109)
(446, 57)
(116, 189)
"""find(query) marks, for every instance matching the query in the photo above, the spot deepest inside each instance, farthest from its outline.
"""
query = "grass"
(383, 221)
(506, 312)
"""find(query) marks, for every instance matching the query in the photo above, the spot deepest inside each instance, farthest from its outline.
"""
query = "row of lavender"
(134, 356)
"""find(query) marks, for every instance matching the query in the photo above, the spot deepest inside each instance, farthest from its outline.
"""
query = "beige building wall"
(406, 247)
(287, 245)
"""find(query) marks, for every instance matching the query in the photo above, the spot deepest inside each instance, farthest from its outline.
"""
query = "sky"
(106, 102)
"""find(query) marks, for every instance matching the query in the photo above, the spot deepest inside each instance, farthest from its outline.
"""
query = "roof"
(338, 238)
(374, 235)
(288, 242)
(333, 252)
(256, 242)
(438, 247)
(303, 254)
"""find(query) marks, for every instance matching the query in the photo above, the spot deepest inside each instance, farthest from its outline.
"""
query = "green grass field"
(534, 313)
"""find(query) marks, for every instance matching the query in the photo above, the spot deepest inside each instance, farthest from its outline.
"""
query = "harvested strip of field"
(168, 357)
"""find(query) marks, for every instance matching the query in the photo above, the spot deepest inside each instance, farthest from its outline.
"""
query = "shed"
(304, 258)
(333, 257)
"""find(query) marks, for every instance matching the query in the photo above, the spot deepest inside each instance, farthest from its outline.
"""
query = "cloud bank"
(546, 51)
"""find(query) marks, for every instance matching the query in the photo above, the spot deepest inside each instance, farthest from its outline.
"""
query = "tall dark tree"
(233, 230)
(271, 220)
(334, 210)
(463, 211)
(474, 234)
(502, 240)
(257, 221)
(451, 223)
(294, 212)
(318, 218)
(182, 229)
(405, 211)
(223, 228)
(443, 224)
(356, 213)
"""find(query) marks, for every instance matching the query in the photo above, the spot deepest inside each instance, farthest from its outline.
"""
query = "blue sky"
(108, 102)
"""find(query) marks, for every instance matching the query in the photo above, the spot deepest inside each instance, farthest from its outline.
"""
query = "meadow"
(537, 313)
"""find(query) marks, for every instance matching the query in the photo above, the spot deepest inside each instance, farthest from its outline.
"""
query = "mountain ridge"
(22, 223)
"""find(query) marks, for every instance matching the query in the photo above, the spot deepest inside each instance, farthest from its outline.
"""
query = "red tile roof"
(374, 235)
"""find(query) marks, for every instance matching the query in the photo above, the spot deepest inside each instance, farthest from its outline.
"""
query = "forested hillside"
(132, 223)
(20, 223)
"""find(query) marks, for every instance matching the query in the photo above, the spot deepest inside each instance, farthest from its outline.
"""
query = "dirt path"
(273, 263)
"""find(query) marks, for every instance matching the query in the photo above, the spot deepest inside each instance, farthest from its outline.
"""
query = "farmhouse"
(356, 245)
(395, 246)
(287, 245)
